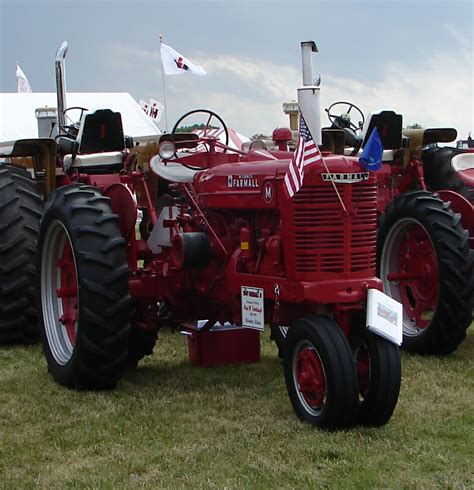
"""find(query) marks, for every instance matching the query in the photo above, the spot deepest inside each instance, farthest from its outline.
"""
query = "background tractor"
(224, 242)
(426, 227)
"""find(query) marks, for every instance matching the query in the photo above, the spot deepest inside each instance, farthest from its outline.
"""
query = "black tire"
(140, 344)
(378, 370)
(318, 354)
(423, 230)
(81, 252)
(439, 173)
(20, 213)
(278, 335)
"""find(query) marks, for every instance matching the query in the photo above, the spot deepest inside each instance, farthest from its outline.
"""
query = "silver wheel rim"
(58, 339)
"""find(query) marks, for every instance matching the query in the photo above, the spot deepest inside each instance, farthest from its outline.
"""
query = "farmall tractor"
(426, 227)
(223, 242)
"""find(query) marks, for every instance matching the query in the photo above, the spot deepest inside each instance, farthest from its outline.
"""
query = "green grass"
(172, 425)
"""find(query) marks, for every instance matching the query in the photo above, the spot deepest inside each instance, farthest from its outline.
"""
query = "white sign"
(385, 316)
(252, 307)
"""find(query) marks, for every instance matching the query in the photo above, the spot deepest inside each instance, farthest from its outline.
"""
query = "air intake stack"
(61, 83)
(308, 94)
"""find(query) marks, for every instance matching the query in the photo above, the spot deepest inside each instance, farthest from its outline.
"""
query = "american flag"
(306, 152)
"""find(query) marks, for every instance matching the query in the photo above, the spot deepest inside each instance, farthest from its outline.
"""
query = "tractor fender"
(124, 205)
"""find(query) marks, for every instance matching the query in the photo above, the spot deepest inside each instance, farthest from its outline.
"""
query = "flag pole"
(164, 91)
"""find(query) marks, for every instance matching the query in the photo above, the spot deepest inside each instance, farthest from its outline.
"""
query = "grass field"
(171, 425)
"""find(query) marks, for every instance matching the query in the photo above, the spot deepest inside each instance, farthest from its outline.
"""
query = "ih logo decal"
(268, 192)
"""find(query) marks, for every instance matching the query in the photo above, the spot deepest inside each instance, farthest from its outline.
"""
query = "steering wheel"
(207, 127)
(73, 129)
(343, 119)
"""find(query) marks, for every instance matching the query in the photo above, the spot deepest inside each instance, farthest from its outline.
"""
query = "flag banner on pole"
(306, 152)
(144, 105)
(176, 64)
(371, 157)
(156, 110)
(23, 83)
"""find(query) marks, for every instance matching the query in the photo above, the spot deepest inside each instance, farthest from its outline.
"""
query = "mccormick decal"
(242, 181)
(344, 178)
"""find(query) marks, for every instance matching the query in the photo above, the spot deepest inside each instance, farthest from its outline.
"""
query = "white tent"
(18, 120)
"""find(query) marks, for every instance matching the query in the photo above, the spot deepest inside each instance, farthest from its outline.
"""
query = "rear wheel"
(20, 213)
(440, 174)
(425, 263)
(319, 373)
(379, 374)
(84, 295)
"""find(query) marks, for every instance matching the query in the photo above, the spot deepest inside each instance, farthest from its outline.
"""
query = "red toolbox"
(223, 344)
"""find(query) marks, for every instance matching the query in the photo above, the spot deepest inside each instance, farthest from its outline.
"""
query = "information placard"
(252, 307)
(385, 316)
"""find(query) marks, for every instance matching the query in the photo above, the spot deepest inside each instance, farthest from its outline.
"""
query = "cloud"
(249, 92)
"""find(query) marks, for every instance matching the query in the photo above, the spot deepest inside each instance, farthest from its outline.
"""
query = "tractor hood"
(259, 184)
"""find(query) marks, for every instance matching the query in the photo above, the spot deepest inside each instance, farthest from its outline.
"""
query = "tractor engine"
(244, 228)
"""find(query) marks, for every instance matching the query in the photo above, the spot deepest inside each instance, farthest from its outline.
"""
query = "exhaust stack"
(308, 95)
(61, 83)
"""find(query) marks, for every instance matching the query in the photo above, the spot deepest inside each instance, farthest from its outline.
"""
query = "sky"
(415, 57)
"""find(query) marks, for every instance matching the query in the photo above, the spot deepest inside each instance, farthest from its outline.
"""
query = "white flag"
(144, 106)
(175, 64)
(23, 83)
(156, 110)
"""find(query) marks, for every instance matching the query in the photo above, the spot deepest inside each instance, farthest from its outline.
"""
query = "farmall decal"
(242, 181)
(345, 178)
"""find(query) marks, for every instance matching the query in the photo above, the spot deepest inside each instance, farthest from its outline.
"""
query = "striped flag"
(306, 152)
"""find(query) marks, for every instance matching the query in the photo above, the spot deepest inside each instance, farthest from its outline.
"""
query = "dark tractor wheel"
(379, 374)
(320, 374)
(140, 344)
(20, 213)
(278, 335)
(83, 284)
(440, 175)
(425, 263)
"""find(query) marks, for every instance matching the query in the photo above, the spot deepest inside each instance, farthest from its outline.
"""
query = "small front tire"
(319, 373)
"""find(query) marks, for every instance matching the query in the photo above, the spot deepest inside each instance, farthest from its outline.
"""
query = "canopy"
(18, 120)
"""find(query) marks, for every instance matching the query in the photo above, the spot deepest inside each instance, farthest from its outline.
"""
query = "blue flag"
(371, 158)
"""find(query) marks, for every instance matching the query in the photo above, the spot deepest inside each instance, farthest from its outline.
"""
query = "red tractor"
(222, 241)
(426, 227)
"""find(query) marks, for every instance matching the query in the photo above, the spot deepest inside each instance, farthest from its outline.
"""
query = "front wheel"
(425, 263)
(379, 374)
(319, 373)
(83, 285)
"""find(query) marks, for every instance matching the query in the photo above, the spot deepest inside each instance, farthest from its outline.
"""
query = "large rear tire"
(379, 374)
(320, 374)
(20, 213)
(440, 175)
(425, 262)
(84, 296)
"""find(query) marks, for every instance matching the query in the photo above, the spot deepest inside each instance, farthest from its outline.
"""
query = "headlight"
(167, 150)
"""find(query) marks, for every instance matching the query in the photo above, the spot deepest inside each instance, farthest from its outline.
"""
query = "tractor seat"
(101, 131)
(106, 162)
(389, 126)
(173, 172)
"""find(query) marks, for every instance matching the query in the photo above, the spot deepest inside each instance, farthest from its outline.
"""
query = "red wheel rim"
(310, 377)
(67, 292)
(417, 275)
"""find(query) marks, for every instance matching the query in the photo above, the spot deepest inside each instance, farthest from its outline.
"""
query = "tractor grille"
(327, 240)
